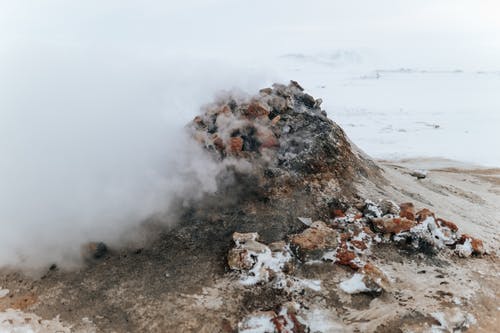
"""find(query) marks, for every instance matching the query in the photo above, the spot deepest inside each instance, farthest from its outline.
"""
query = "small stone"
(94, 250)
(277, 246)
(255, 110)
(244, 237)
(345, 257)
(236, 145)
(218, 143)
(239, 259)
(296, 84)
(375, 277)
(393, 225)
(389, 207)
(475, 243)
(419, 174)
(275, 120)
(423, 214)
(314, 241)
(407, 210)
(450, 225)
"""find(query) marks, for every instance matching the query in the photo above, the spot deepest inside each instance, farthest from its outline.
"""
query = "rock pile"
(347, 240)
(291, 144)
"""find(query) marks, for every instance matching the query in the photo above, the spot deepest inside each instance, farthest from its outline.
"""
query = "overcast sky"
(456, 33)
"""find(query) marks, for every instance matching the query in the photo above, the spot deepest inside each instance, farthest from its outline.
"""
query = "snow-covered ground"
(398, 113)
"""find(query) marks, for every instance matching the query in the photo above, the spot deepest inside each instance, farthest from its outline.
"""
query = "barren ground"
(180, 283)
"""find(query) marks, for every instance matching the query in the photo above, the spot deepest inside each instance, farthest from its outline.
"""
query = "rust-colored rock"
(345, 257)
(236, 145)
(423, 214)
(337, 213)
(393, 225)
(450, 225)
(314, 241)
(359, 244)
(255, 110)
(407, 210)
(477, 244)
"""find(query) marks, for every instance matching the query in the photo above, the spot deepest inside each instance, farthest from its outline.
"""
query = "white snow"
(15, 321)
(465, 249)
(265, 261)
(4, 292)
(321, 321)
(257, 324)
(354, 285)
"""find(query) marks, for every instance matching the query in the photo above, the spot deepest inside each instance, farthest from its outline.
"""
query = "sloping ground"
(181, 282)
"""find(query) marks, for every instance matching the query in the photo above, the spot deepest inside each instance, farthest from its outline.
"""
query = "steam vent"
(285, 150)
(305, 234)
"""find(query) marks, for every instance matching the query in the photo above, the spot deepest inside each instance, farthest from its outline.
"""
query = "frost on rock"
(371, 279)
(291, 318)
(256, 261)
(354, 285)
(465, 249)
(346, 239)
(452, 320)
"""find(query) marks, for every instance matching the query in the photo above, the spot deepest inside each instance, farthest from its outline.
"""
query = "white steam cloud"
(93, 143)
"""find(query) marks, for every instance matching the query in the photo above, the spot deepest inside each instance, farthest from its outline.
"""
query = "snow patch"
(354, 285)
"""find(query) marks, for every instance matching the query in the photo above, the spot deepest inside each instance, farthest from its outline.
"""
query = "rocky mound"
(286, 147)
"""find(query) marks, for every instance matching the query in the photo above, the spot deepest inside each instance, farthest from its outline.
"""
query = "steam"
(93, 143)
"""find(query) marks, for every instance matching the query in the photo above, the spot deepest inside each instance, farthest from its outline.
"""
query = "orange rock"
(393, 225)
(407, 210)
(346, 257)
(313, 238)
(376, 276)
(275, 120)
(423, 214)
(236, 144)
(344, 237)
(477, 244)
(255, 109)
(450, 225)
(314, 241)
(338, 213)
(359, 244)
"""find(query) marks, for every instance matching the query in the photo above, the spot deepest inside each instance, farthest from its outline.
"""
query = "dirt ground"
(181, 283)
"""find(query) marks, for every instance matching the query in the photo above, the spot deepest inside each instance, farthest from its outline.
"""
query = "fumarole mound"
(282, 146)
